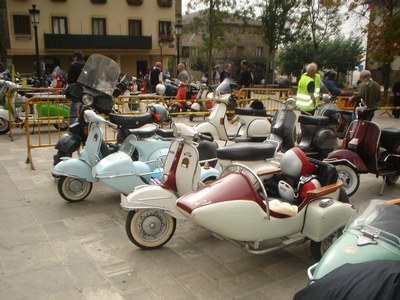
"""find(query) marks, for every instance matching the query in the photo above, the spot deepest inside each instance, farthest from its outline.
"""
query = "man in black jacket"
(74, 71)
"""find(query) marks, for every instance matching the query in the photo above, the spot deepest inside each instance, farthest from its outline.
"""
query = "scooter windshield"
(381, 217)
(129, 144)
(225, 86)
(100, 73)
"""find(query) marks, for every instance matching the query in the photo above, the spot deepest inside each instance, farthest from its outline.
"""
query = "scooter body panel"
(118, 171)
(349, 157)
(325, 139)
(210, 128)
(321, 221)
(154, 197)
(152, 148)
(255, 129)
(74, 167)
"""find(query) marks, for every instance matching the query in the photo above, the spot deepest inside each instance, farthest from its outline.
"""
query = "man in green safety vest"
(307, 89)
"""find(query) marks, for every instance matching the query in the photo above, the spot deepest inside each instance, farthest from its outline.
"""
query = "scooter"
(12, 109)
(185, 96)
(117, 170)
(253, 124)
(202, 103)
(368, 252)
(237, 207)
(367, 148)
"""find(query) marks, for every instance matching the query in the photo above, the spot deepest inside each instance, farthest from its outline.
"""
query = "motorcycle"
(237, 207)
(117, 170)
(185, 95)
(253, 124)
(98, 97)
(367, 148)
(365, 252)
(13, 108)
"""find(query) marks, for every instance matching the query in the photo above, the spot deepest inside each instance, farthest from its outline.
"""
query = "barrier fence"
(44, 113)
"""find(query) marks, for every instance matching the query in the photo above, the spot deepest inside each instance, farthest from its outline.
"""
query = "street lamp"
(178, 32)
(308, 43)
(34, 14)
(160, 43)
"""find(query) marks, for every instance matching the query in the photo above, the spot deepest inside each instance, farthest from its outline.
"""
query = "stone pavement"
(52, 249)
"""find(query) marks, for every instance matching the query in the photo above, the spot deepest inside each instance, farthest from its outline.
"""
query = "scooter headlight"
(176, 130)
(87, 99)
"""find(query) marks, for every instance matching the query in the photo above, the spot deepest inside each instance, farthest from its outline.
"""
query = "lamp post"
(160, 43)
(178, 32)
(34, 14)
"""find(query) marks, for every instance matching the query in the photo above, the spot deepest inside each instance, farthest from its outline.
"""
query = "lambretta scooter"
(117, 170)
(367, 148)
(253, 124)
(237, 207)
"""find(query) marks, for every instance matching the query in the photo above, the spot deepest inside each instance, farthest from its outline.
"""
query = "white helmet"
(160, 89)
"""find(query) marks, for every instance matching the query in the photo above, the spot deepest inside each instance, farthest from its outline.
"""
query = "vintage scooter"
(117, 170)
(367, 148)
(367, 249)
(237, 207)
(15, 110)
(253, 124)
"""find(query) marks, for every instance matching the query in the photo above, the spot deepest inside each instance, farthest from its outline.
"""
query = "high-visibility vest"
(303, 98)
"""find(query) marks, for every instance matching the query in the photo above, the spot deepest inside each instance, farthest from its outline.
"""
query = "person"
(330, 84)
(183, 75)
(156, 76)
(227, 72)
(216, 75)
(74, 71)
(245, 79)
(368, 89)
(305, 96)
(396, 98)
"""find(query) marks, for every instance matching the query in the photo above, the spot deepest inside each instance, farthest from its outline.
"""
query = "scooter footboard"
(151, 196)
(321, 220)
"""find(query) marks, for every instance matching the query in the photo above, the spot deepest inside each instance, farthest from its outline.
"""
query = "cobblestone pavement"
(51, 249)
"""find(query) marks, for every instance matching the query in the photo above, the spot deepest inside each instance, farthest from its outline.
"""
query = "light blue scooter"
(117, 170)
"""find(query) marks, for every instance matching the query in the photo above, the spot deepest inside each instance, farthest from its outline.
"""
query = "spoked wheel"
(149, 228)
(74, 189)
(391, 179)
(174, 108)
(319, 248)
(351, 180)
(4, 126)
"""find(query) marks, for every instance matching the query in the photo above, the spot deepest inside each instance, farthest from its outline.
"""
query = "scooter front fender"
(347, 157)
(74, 167)
(154, 197)
(4, 114)
(320, 222)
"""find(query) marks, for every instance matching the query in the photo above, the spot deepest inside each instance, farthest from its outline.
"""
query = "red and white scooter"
(238, 207)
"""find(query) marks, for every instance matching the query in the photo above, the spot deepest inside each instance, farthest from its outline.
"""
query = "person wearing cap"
(368, 89)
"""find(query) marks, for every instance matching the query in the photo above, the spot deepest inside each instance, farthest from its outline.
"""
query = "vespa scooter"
(367, 148)
(237, 207)
(76, 176)
(253, 124)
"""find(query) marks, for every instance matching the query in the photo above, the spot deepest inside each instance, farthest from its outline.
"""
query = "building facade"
(135, 33)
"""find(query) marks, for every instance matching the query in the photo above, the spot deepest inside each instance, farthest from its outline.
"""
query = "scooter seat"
(146, 130)
(131, 121)
(391, 133)
(247, 151)
(165, 133)
(248, 111)
(314, 120)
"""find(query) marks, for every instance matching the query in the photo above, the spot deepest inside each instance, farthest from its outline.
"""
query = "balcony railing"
(87, 41)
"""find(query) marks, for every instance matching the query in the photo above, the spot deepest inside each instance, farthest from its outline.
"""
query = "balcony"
(88, 41)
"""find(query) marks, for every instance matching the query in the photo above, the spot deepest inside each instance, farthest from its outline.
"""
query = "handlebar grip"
(206, 137)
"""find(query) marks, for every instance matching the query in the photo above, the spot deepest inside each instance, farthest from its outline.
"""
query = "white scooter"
(237, 207)
(253, 124)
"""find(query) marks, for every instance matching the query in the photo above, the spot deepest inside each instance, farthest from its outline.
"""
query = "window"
(135, 27)
(98, 26)
(259, 51)
(22, 24)
(164, 29)
(59, 25)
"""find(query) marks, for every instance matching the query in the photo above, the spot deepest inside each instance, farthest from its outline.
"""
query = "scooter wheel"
(74, 189)
(318, 249)
(191, 117)
(4, 126)
(149, 228)
(350, 178)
